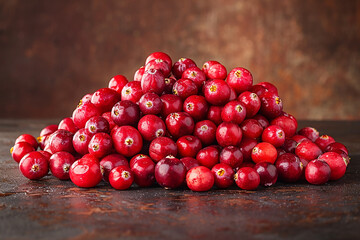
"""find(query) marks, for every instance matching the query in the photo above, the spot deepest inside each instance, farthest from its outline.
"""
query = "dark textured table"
(53, 209)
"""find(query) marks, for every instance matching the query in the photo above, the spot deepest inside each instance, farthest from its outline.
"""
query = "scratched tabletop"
(54, 209)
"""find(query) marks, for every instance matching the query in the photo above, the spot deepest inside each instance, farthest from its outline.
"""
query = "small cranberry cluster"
(177, 123)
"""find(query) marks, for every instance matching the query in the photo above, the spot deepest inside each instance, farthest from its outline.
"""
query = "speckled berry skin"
(228, 134)
(196, 75)
(240, 79)
(153, 81)
(170, 173)
(247, 178)
(200, 179)
(127, 140)
(223, 175)
(271, 105)
(34, 165)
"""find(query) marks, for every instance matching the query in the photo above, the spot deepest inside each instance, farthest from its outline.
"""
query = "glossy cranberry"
(251, 128)
(336, 163)
(127, 141)
(81, 141)
(68, 124)
(231, 156)
(61, 140)
(100, 145)
(323, 141)
(251, 102)
(217, 92)
(85, 172)
(299, 139)
(267, 172)
(121, 177)
(169, 84)
(233, 112)
(189, 163)
(170, 173)
(289, 167)
(20, 149)
(138, 74)
(179, 124)
(216, 71)
(184, 88)
(246, 146)
(151, 127)
(214, 114)
(264, 152)
(125, 112)
(309, 132)
(83, 113)
(288, 125)
(162, 147)
(188, 146)
(223, 175)
(150, 103)
(48, 130)
(262, 120)
(269, 86)
(206, 131)
(117, 83)
(97, 124)
(159, 65)
(196, 75)
(159, 55)
(60, 164)
(207, 65)
(247, 178)
(171, 104)
(208, 156)
(343, 155)
(28, 139)
(153, 81)
(228, 134)
(110, 162)
(240, 79)
(132, 91)
(144, 172)
(200, 179)
(289, 145)
(136, 158)
(181, 65)
(271, 105)
(105, 98)
(273, 134)
(317, 172)
(34, 165)
(308, 150)
(196, 106)
(336, 146)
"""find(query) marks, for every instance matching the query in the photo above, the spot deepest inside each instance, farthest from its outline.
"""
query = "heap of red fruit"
(177, 124)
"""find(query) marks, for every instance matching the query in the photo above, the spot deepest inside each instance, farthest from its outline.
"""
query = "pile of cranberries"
(177, 124)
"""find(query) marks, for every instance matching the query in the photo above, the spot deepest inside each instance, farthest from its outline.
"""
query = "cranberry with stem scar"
(111, 161)
(60, 164)
(34, 165)
(121, 178)
(153, 81)
(127, 140)
(150, 103)
(81, 141)
(206, 131)
(179, 124)
(196, 75)
(274, 135)
(251, 102)
(125, 112)
(100, 145)
(217, 92)
(323, 141)
(181, 65)
(337, 164)
(196, 106)
(223, 175)
(184, 88)
(105, 98)
(132, 91)
(171, 104)
(240, 79)
(264, 152)
(151, 127)
(97, 124)
(83, 113)
(247, 178)
(233, 112)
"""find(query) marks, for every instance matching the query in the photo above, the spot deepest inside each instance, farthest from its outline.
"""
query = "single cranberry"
(217, 92)
(264, 152)
(206, 131)
(105, 98)
(181, 65)
(233, 112)
(184, 88)
(97, 124)
(20, 149)
(308, 150)
(317, 172)
(273, 134)
(132, 91)
(262, 120)
(151, 127)
(240, 79)
(121, 177)
(206, 66)
(144, 172)
(162, 147)
(188, 146)
(189, 162)
(196, 75)
(34, 165)
(159, 65)
(68, 124)
(159, 55)
(337, 164)
(336, 146)
(153, 81)
(208, 156)
(81, 141)
(232, 156)
(289, 145)
(171, 104)
(61, 140)
(309, 132)
(299, 139)
(228, 134)
(289, 167)
(200, 179)
(125, 112)
(271, 105)
(287, 124)
(138, 74)
(224, 175)
(251, 128)
(83, 113)
(85, 172)
(247, 178)
(137, 157)
(269, 86)
(169, 84)
(60, 164)
(267, 172)
(48, 130)
(179, 124)
(150, 103)
(246, 146)
(214, 114)
(110, 162)
(28, 139)
(323, 141)
(196, 106)
(100, 145)
(170, 173)
(117, 83)
(251, 102)
(216, 71)
(127, 141)
(107, 116)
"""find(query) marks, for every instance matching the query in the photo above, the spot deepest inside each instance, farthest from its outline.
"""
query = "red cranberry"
(169, 84)
(274, 135)
(232, 156)
(323, 141)
(308, 150)
(267, 172)
(132, 91)
(228, 134)
(162, 147)
(289, 145)
(151, 127)
(127, 141)
(100, 145)
(269, 86)
(271, 105)
(309, 132)
(159, 55)
(179, 124)
(107, 116)
(342, 154)
(121, 177)
(170, 173)
(336, 146)
(181, 65)
(144, 172)
(125, 112)
(216, 71)
(153, 81)
(289, 167)
(48, 130)
(111, 161)
(317, 172)
(208, 156)
(28, 139)
(188, 146)
(336, 163)
(68, 124)
(299, 139)
(206, 66)
(117, 83)
(196, 106)
(189, 162)
(217, 92)
(264, 152)
(247, 178)
(251, 128)
(240, 79)
(233, 112)
(60, 164)
(85, 172)
(20, 149)
(105, 98)
(61, 140)
(196, 75)
(200, 179)
(83, 113)
(97, 124)
(251, 102)
(81, 141)
(184, 88)
(262, 120)
(214, 114)
(246, 146)
(206, 131)
(159, 65)
(34, 165)
(150, 103)
(136, 158)
(171, 104)
(287, 124)
(138, 74)
(224, 175)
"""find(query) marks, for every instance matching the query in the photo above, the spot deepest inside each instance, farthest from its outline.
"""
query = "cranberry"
(196, 75)
(251, 128)
(228, 134)
(68, 124)
(181, 65)
(132, 91)
(150, 103)
(169, 84)
(48, 130)
(299, 139)
(323, 141)
(97, 124)
(189, 162)
(200, 179)
(289, 145)
(262, 120)
(336, 163)
(136, 158)
(20, 149)
(179, 124)
(110, 162)
(139, 74)
(251, 102)
(127, 141)
(240, 79)
(105, 98)
(206, 66)
(83, 113)
(336, 146)
(61, 140)
(162, 147)
(271, 105)
(224, 175)
(317, 172)
(206, 131)
(100, 145)
(274, 135)
(153, 81)
(233, 112)
(171, 104)
(267, 172)
(107, 116)
(125, 112)
(85, 172)
(184, 88)
(121, 177)
(289, 167)
(217, 92)
(214, 114)
(170, 173)
(159, 55)
(28, 139)
(308, 150)
(264, 152)
(208, 156)
(232, 156)
(34, 165)
(246, 146)
(287, 124)
(159, 65)
(216, 71)
(247, 178)
(269, 86)
(60, 164)
(309, 132)
(342, 154)
(144, 172)
(81, 141)
(188, 146)
(151, 127)
(196, 106)
(117, 83)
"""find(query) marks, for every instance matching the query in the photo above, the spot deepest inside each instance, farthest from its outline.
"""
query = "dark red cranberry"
(153, 81)
(179, 124)
(184, 88)
(159, 65)
(121, 177)
(138, 74)
(28, 139)
(105, 98)
(188, 146)
(83, 113)
(169, 84)
(232, 156)
(61, 140)
(287, 124)
(289, 167)
(309, 132)
(323, 141)
(217, 92)
(111, 161)
(317, 172)
(162, 147)
(267, 172)
(206, 131)
(214, 114)
(81, 141)
(68, 124)
(208, 156)
(251, 101)
(269, 86)
(206, 66)
(264, 152)
(247, 178)
(171, 104)
(20, 149)
(127, 141)
(336, 163)
(336, 146)
(181, 65)
(97, 124)
(159, 55)
(251, 128)
(170, 173)
(233, 112)
(144, 172)
(125, 112)
(289, 145)
(60, 164)
(48, 130)
(117, 83)
(100, 145)
(216, 71)
(246, 146)
(34, 165)
(262, 120)
(150, 103)
(200, 179)
(224, 175)
(196, 75)
(151, 127)
(273, 134)
(240, 79)
(189, 162)
(85, 172)
(228, 134)
(196, 106)
(271, 105)
(308, 150)
(132, 91)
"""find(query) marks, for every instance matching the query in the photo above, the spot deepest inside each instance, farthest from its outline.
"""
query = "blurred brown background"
(54, 52)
